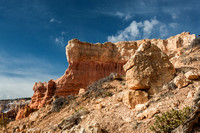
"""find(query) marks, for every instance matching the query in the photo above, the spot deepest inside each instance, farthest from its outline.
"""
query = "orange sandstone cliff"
(89, 62)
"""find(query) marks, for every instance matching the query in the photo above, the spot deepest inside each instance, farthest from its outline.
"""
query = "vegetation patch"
(170, 120)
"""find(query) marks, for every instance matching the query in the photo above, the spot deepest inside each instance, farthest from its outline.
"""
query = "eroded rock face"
(87, 63)
(148, 68)
(42, 93)
(24, 112)
(90, 62)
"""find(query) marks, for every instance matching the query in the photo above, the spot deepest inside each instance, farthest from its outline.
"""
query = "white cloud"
(173, 12)
(60, 41)
(53, 20)
(135, 30)
(148, 27)
(163, 30)
(122, 15)
(18, 75)
(129, 33)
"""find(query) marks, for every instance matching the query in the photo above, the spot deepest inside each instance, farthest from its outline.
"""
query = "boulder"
(81, 91)
(133, 97)
(192, 75)
(148, 68)
(140, 107)
(149, 113)
(93, 128)
(180, 81)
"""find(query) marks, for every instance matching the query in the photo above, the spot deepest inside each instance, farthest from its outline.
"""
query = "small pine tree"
(4, 121)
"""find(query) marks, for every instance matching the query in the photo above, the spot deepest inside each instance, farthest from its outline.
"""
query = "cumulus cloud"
(135, 30)
(129, 33)
(18, 75)
(148, 27)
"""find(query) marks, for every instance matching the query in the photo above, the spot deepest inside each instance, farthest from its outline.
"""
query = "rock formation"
(90, 62)
(111, 105)
(148, 68)
(24, 112)
(42, 93)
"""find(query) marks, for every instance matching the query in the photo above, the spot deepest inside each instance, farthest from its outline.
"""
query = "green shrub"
(170, 120)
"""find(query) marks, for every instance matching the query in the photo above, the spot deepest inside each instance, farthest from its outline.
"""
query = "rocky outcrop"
(42, 93)
(90, 62)
(24, 112)
(148, 68)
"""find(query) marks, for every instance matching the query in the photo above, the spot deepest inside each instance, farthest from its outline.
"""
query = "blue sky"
(34, 33)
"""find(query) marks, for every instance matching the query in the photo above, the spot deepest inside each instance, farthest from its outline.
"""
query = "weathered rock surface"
(148, 68)
(72, 120)
(149, 113)
(194, 118)
(90, 128)
(90, 62)
(192, 75)
(140, 107)
(133, 97)
(180, 81)
(42, 93)
(87, 63)
(24, 112)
